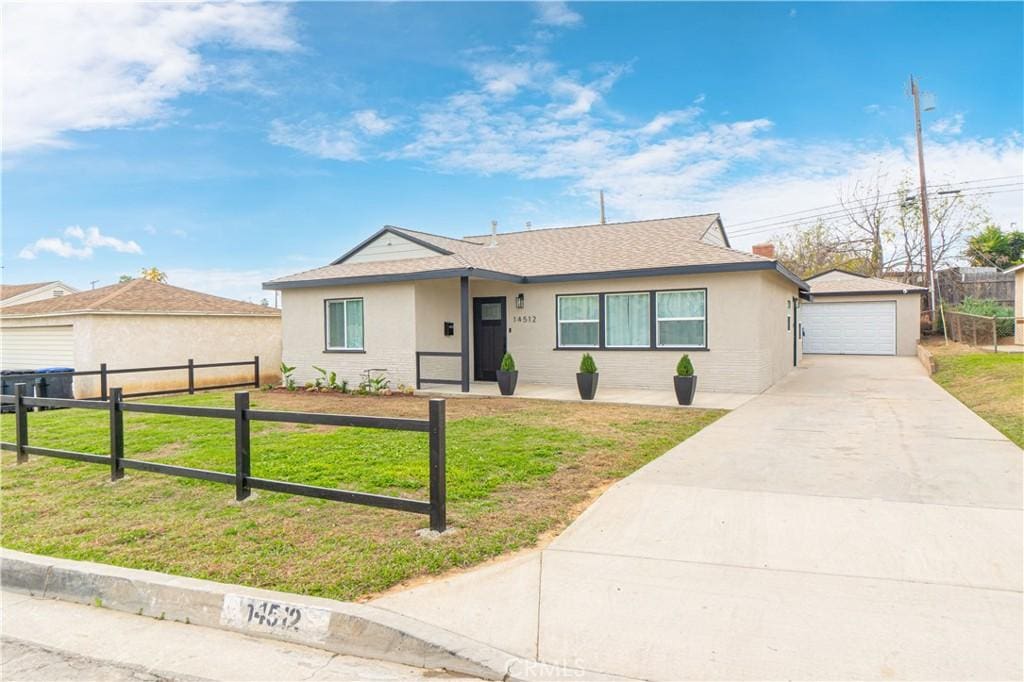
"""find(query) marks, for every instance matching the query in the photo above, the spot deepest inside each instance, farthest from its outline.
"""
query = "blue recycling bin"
(55, 382)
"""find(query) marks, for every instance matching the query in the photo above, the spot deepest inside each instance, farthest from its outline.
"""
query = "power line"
(889, 203)
(882, 195)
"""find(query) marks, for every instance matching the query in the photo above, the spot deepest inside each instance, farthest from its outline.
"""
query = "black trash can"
(9, 377)
(55, 382)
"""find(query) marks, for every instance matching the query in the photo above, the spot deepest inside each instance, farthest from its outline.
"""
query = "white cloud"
(325, 141)
(372, 123)
(951, 125)
(557, 14)
(668, 119)
(88, 239)
(77, 67)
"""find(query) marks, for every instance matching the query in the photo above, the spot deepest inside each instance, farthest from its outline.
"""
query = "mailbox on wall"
(449, 329)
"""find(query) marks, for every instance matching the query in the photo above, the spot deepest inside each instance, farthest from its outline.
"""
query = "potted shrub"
(586, 378)
(685, 380)
(507, 375)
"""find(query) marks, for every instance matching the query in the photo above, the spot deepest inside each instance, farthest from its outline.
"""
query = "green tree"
(154, 275)
(124, 278)
(994, 248)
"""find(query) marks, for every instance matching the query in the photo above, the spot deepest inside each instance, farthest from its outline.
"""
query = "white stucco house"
(636, 295)
(1018, 303)
(140, 323)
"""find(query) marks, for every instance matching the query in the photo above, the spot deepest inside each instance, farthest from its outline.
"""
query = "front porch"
(629, 396)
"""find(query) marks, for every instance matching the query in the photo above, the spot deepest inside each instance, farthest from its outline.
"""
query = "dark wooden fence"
(191, 365)
(242, 478)
(956, 284)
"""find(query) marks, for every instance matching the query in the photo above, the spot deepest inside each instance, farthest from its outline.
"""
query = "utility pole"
(915, 92)
(602, 207)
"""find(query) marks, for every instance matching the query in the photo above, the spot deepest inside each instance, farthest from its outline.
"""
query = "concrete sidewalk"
(45, 639)
(854, 522)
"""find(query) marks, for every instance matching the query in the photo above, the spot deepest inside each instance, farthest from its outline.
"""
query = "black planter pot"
(507, 382)
(587, 383)
(685, 388)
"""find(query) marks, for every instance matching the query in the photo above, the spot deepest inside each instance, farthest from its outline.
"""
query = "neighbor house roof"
(138, 296)
(1015, 268)
(12, 290)
(644, 247)
(837, 282)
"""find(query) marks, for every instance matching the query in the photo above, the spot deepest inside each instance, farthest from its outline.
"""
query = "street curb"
(350, 629)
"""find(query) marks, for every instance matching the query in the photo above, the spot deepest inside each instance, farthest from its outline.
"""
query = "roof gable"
(390, 243)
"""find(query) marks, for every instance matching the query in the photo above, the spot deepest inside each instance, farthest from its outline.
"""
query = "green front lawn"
(517, 469)
(991, 384)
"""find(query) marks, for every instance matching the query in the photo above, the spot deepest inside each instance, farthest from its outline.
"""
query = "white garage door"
(850, 328)
(37, 347)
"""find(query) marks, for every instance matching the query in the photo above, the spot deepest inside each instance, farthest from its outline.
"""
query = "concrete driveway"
(853, 522)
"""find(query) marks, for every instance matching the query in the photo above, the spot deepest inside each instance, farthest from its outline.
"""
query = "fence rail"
(420, 379)
(969, 328)
(191, 365)
(243, 416)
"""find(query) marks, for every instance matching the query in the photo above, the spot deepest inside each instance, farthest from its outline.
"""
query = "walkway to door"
(853, 522)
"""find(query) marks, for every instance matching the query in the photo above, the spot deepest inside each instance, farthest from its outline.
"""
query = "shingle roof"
(139, 295)
(11, 290)
(578, 250)
(841, 282)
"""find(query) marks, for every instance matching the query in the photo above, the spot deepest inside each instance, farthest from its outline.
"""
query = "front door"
(488, 337)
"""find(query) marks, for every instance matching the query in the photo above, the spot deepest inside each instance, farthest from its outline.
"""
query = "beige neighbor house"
(637, 295)
(13, 294)
(141, 324)
(1018, 303)
(854, 314)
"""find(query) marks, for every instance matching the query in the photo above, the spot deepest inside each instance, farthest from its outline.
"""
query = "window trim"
(604, 326)
(703, 318)
(653, 341)
(328, 348)
(559, 322)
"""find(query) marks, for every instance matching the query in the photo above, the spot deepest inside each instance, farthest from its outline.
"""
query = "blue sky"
(227, 144)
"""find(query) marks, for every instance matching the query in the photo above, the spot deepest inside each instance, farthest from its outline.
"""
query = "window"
(345, 324)
(627, 320)
(578, 321)
(681, 318)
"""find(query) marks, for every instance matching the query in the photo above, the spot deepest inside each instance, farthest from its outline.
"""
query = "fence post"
(103, 381)
(995, 336)
(974, 331)
(20, 422)
(191, 376)
(438, 488)
(116, 435)
(242, 469)
(256, 371)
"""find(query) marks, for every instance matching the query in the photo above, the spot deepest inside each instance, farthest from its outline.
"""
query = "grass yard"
(517, 469)
(991, 384)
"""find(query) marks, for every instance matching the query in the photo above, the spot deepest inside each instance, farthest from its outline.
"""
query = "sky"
(227, 144)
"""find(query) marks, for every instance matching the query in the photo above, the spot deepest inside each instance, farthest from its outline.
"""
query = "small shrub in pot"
(685, 381)
(508, 375)
(586, 378)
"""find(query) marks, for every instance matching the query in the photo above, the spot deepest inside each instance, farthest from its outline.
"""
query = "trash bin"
(55, 382)
(8, 379)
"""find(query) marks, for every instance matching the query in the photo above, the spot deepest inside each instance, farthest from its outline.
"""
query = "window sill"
(683, 349)
(344, 350)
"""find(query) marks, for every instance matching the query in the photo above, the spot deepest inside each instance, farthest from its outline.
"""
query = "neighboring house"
(13, 294)
(1018, 303)
(854, 314)
(636, 295)
(140, 324)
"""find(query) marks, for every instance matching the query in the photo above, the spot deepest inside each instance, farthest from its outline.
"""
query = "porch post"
(464, 300)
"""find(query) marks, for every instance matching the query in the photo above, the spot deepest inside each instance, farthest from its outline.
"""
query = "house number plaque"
(524, 319)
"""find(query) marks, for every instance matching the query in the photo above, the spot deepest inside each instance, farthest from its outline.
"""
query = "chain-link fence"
(977, 330)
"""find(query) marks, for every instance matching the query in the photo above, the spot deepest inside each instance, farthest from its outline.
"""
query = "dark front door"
(488, 337)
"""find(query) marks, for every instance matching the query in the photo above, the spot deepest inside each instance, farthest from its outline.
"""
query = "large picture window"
(681, 319)
(627, 320)
(579, 321)
(345, 324)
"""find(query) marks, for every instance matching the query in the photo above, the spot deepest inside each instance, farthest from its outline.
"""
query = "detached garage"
(140, 324)
(852, 314)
